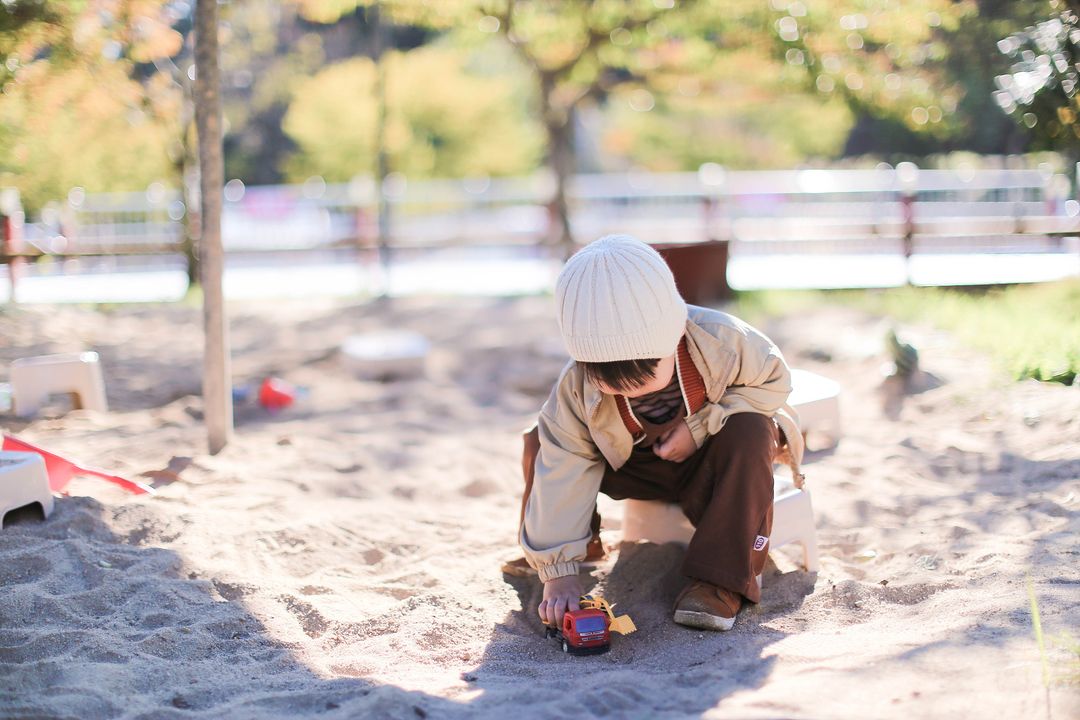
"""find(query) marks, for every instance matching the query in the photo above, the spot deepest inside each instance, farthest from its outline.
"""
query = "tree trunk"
(559, 126)
(561, 160)
(382, 160)
(217, 395)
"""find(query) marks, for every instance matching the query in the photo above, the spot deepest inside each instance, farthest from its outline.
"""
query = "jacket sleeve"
(569, 469)
(760, 382)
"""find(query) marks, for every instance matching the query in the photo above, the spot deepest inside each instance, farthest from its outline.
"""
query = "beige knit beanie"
(616, 300)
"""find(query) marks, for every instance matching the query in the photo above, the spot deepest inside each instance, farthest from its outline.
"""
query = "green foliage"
(440, 14)
(72, 111)
(741, 113)
(888, 57)
(73, 127)
(1032, 331)
(918, 74)
(28, 26)
(442, 119)
(578, 49)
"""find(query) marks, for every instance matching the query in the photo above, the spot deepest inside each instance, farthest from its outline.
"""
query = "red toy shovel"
(61, 470)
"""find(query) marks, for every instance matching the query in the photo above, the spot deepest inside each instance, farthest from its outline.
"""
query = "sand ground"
(341, 558)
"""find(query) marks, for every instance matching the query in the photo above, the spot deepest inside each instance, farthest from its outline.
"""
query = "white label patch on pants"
(760, 542)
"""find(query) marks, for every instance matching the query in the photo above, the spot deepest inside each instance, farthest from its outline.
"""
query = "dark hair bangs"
(621, 375)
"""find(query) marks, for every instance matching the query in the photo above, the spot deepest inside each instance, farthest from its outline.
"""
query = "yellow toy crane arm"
(622, 625)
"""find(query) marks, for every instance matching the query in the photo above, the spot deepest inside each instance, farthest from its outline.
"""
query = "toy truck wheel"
(565, 646)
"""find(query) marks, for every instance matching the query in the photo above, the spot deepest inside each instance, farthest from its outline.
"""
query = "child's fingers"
(543, 611)
(662, 448)
(560, 610)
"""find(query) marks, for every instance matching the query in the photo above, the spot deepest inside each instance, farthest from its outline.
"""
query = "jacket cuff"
(697, 430)
(557, 570)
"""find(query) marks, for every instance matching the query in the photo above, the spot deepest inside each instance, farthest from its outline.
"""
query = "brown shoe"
(706, 606)
(595, 553)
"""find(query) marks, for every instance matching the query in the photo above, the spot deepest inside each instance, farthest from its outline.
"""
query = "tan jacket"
(581, 431)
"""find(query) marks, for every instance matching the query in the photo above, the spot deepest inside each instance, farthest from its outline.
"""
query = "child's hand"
(676, 444)
(560, 594)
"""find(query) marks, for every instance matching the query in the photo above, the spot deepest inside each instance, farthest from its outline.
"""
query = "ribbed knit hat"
(616, 300)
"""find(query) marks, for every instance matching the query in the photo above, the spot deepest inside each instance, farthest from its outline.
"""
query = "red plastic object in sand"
(275, 394)
(61, 470)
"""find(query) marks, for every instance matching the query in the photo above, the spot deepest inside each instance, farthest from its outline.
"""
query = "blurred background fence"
(800, 228)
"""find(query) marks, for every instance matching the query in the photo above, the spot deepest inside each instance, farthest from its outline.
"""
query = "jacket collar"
(691, 384)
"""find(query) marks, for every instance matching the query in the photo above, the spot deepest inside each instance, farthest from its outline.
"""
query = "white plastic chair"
(23, 481)
(34, 379)
(793, 521)
(817, 400)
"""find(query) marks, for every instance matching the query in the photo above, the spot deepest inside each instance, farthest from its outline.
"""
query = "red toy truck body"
(583, 632)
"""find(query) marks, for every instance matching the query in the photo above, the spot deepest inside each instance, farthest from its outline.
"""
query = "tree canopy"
(93, 91)
(1041, 90)
(73, 109)
(444, 120)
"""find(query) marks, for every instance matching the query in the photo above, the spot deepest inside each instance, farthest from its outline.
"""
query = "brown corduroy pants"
(725, 489)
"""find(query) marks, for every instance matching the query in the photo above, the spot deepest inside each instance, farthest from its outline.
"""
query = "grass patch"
(1033, 331)
(1062, 667)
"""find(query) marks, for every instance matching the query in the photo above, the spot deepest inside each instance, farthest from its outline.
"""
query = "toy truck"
(583, 632)
(588, 631)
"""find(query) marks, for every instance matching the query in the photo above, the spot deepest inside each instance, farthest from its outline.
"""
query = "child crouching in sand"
(660, 401)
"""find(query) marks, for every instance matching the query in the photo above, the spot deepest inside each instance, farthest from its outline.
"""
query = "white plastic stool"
(793, 521)
(34, 379)
(817, 400)
(23, 481)
(391, 353)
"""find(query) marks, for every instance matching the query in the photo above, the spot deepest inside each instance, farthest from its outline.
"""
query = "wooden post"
(907, 175)
(11, 236)
(217, 394)
(907, 205)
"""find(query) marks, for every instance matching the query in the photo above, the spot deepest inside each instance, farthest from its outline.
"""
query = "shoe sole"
(703, 621)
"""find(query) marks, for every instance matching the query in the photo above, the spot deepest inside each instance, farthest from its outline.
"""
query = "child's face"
(665, 368)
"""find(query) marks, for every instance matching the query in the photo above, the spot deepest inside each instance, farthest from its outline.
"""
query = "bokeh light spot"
(155, 193)
(711, 173)
(314, 187)
(641, 100)
(621, 36)
(234, 190)
(689, 87)
(788, 29)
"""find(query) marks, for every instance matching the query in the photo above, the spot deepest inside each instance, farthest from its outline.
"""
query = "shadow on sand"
(94, 626)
